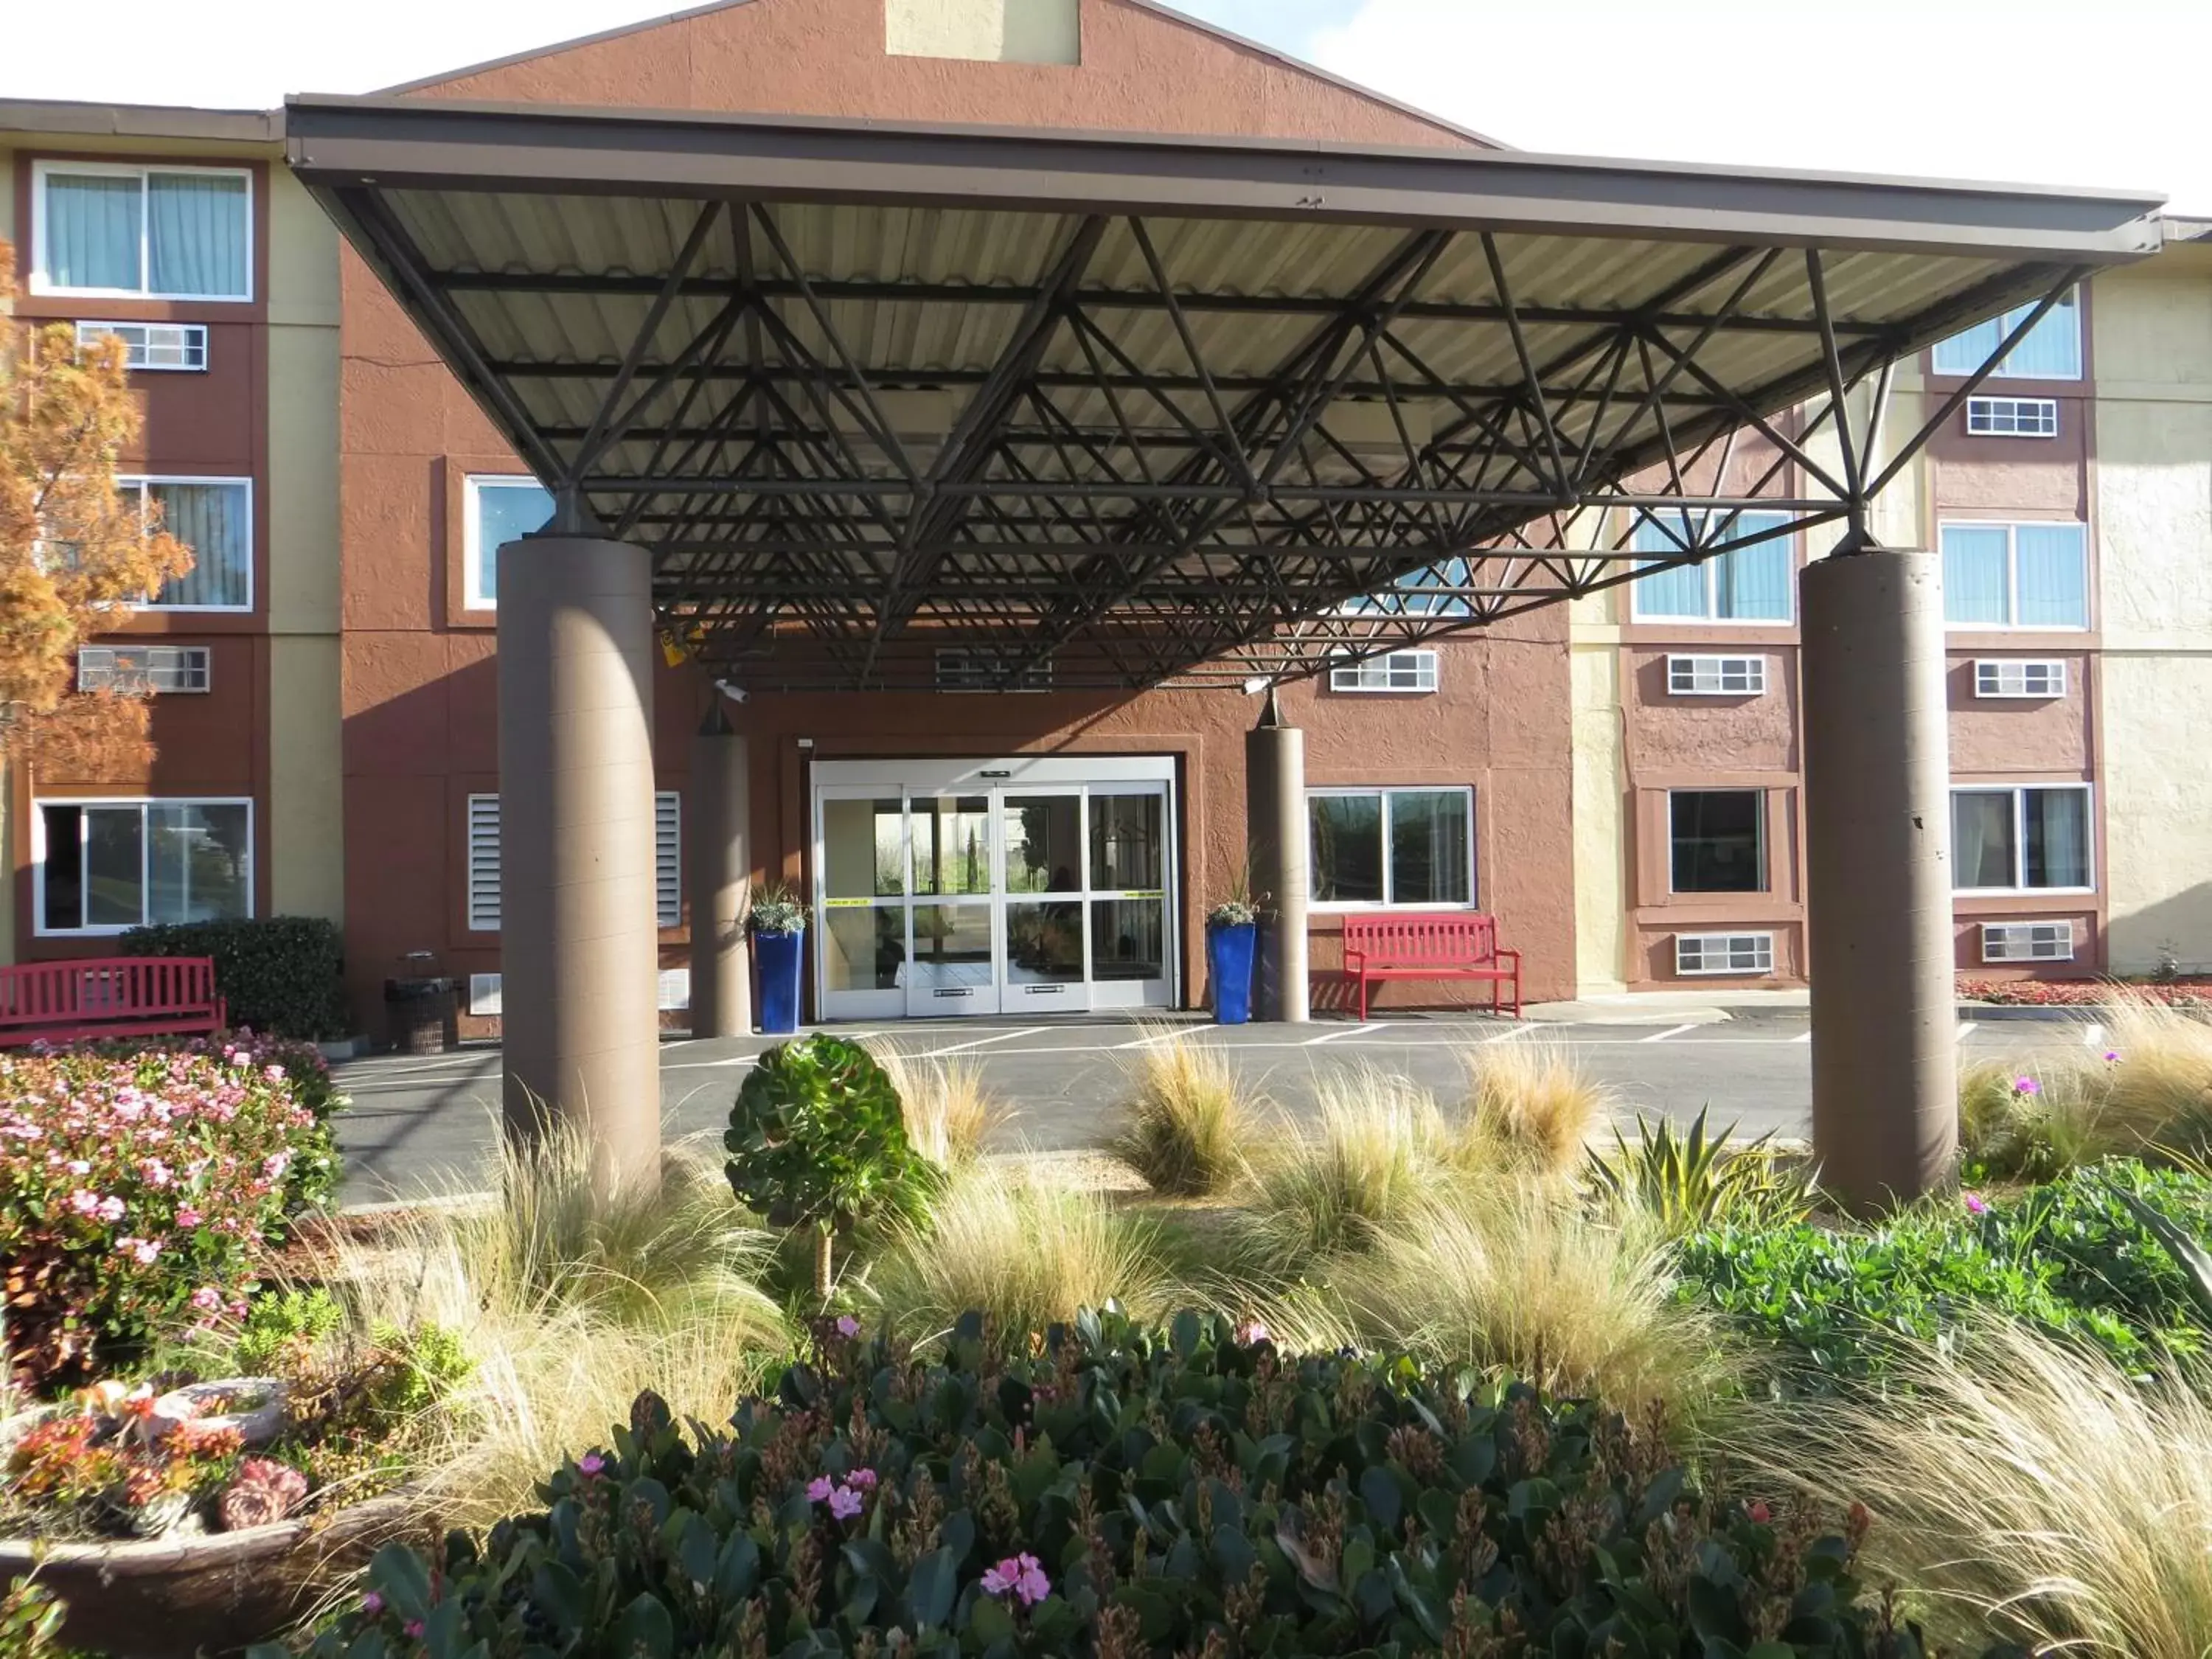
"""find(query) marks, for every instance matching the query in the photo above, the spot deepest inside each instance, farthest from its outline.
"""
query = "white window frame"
(1345, 907)
(2071, 304)
(1998, 936)
(41, 285)
(1684, 669)
(134, 359)
(97, 669)
(2018, 792)
(1762, 944)
(1989, 408)
(139, 480)
(1990, 674)
(2011, 527)
(109, 930)
(480, 886)
(1707, 569)
(1371, 676)
(473, 487)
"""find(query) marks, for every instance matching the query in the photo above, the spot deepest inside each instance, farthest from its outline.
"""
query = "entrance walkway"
(429, 1124)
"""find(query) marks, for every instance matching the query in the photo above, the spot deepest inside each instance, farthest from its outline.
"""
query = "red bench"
(1449, 945)
(108, 997)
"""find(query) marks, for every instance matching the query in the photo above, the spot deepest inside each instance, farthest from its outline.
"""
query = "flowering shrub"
(134, 1193)
(2080, 993)
(1125, 1494)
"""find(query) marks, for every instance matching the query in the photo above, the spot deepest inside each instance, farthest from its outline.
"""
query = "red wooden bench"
(1447, 945)
(108, 997)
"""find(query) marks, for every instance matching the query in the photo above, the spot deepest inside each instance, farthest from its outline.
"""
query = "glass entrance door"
(1010, 899)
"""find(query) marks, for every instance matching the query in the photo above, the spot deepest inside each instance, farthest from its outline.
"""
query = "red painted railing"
(108, 996)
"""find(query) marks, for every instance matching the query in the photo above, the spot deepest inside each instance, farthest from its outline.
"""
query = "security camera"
(731, 689)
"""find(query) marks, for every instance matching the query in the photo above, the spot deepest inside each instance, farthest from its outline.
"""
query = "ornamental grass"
(1382, 1148)
(1529, 1104)
(950, 1111)
(1187, 1119)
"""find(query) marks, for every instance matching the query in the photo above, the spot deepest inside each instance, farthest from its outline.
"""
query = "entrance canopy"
(1106, 410)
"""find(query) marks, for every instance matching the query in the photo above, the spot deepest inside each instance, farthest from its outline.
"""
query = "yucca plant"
(1684, 1181)
(2193, 1258)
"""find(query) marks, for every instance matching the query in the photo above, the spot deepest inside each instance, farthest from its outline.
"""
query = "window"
(103, 866)
(158, 668)
(1750, 584)
(1717, 840)
(2016, 677)
(1395, 671)
(1433, 591)
(496, 511)
(2018, 840)
(151, 232)
(152, 345)
(2051, 351)
(1716, 677)
(213, 517)
(484, 872)
(1723, 953)
(1407, 846)
(2016, 575)
(978, 668)
(2028, 941)
(2012, 417)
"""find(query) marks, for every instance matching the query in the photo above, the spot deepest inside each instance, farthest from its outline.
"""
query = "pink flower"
(274, 1074)
(848, 1326)
(155, 1171)
(188, 1217)
(590, 1464)
(845, 1502)
(1760, 1514)
(372, 1603)
(1252, 1333)
(2026, 1085)
(1977, 1204)
(111, 1208)
(143, 1250)
(2111, 1056)
(819, 1489)
(84, 1201)
(414, 1628)
(208, 1299)
(862, 1480)
(1022, 1576)
(77, 1166)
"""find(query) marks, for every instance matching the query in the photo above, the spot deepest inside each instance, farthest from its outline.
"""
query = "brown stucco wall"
(1142, 71)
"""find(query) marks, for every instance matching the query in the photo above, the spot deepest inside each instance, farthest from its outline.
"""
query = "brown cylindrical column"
(1878, 864)
(718, 876)
(1275, 817)
(579, 948)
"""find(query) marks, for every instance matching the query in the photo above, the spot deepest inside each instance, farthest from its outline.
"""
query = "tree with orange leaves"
(74, 554)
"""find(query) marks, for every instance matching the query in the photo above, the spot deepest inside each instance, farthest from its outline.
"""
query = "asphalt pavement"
(429, 1124)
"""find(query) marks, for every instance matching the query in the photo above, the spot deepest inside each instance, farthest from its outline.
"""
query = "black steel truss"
(1135, 520)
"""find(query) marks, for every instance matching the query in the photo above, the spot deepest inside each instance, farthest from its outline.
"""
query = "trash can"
(420, 1016)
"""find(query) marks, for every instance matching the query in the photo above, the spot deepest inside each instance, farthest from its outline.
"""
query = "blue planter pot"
(776, 956)
(1229, 964)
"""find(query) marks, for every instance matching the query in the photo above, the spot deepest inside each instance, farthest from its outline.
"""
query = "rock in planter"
(257, 1425)
(174, 1598)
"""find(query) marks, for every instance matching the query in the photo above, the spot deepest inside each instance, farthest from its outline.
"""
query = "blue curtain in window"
(505, 512)
(2057, 837)
(211, 519)
(92, 231)
(196, 234)
(1677, 592)
(2053, 574)
(1752, 583)
(2051, 351)
(1974, 576)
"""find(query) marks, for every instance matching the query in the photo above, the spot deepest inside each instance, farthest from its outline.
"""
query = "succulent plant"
(263, 1492)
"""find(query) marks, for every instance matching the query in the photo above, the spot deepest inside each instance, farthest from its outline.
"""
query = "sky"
(2094, 91)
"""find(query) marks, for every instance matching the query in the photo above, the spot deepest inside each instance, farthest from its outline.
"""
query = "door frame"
(879, 779)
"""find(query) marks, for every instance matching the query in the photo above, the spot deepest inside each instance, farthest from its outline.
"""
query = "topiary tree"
(817, 1139)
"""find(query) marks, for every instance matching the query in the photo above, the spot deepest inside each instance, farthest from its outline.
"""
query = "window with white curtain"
(1402, 847)
(101, 866)
(2033, 838)
(1746, 584)
(213, 517)
(2050, 351)
(497, 510)
(2033, 575)
(146, 232)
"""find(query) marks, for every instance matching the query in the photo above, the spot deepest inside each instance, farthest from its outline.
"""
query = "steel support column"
(579, 951)
(1877, 797)
(1275, 820)
(718, 876)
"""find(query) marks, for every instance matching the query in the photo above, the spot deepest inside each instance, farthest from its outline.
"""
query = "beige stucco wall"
(986, 31)
(306, 822)
(2152, 341)
(1601, 816)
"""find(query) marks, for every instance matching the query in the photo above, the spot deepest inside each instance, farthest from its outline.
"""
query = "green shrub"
(1129, 1497)
(282, 975)
(817, 1139)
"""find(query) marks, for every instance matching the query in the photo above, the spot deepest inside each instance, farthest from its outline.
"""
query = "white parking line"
(1660, 1037)
(981, 1043)
(1509, 1034)
(1965, 1029)
(1341, 1031)
(1807, 1036)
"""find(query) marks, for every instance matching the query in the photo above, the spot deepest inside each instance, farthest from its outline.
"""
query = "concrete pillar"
(579, 947)
(1275, 818)
(1878, 864)
(718, 876)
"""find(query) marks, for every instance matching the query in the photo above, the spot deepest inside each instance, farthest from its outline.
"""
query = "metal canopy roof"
(1151, 408)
